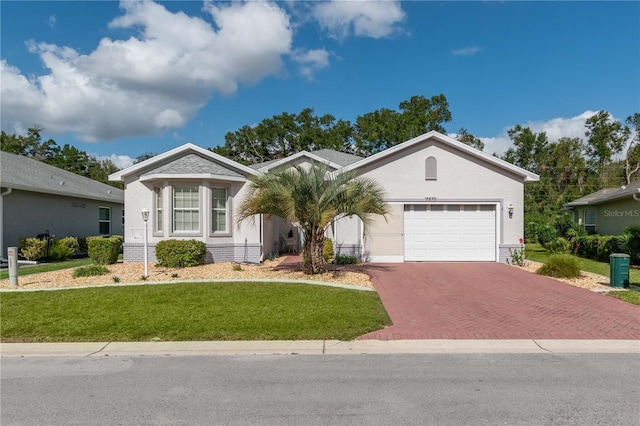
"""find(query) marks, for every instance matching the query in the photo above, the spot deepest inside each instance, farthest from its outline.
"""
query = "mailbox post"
(12, 253)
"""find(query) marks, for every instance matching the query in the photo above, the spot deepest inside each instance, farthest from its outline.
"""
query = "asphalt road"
(431, 389)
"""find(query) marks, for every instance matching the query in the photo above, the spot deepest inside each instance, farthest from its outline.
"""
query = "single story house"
(608, 211)
(448, 202)
(37, 198)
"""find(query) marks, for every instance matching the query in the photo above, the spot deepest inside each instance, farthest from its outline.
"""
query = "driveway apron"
(493, 301)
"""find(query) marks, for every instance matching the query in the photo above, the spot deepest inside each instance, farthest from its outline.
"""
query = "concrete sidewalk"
(317, 347)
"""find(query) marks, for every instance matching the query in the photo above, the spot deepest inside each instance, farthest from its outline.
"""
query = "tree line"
(607, 156)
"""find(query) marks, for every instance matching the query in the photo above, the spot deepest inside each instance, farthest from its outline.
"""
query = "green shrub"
(104, 250)
(629, 242)
(180, 253)
(560, 266)
(63, 248)
(90, 271)
(327, 250)
(32, 248)
(547, 236)
(596, 247)
(559, 245)
(342, 259)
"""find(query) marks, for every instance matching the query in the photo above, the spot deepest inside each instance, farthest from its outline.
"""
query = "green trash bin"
(619, 269)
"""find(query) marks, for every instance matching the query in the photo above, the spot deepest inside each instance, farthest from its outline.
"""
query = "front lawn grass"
(631, 296)
(191, 311)
(46, 267)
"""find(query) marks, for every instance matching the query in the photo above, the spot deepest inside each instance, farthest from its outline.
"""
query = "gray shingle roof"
(192, 163)
(606, 194)
(20, 172)
(337, 157)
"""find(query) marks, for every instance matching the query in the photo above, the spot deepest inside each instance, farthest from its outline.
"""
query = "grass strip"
(47, 267)
(631, 296)
(191, 311)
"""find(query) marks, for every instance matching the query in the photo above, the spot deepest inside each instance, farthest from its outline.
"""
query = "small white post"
(145, 218)
(12, 254)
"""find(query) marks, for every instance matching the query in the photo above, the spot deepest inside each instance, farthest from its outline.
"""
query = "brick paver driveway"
(493, 301)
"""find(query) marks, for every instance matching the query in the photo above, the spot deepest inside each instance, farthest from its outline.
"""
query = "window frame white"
(198, 210)
(213, 209)
(158, 209)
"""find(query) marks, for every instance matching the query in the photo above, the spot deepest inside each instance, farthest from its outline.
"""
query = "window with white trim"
(218, 210)
(159, 210)
(104, 220)
(590, 221)
(431, 169)
(186, 208)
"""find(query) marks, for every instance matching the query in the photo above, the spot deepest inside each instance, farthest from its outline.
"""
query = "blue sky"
(120, 79)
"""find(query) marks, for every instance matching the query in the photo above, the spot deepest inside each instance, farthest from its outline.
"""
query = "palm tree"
(311, 199)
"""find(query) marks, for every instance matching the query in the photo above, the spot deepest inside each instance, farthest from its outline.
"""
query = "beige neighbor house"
(608, 211)
(448, 202)
(36, 198)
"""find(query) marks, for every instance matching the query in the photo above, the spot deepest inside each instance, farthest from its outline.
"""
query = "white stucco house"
(448, 202)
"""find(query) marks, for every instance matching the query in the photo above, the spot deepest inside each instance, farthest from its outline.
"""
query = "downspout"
(261, 239)
(2, 195)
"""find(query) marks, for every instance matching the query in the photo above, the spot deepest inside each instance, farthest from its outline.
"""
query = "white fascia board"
(192, 176)
(528, 176)
(296, 156)
(119, 176)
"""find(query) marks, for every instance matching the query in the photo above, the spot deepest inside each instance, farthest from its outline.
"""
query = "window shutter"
(431, 169)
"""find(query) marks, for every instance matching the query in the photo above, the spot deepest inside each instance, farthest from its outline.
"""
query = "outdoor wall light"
(510, 210)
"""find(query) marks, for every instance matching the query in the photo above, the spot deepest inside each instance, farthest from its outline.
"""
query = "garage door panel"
(450, 232)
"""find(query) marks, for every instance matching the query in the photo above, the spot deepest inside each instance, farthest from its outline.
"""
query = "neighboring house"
(37, 198)
(448, 202)
(608, 211)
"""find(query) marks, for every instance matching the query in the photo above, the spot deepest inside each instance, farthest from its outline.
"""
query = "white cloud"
(555, 129)
(121, 161)
(376, 19)
(52, 21)
(155, 80)
(311, 61)
(467, 51)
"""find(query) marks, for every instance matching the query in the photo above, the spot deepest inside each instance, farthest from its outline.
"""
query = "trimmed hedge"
(104, 250)
(180, 253)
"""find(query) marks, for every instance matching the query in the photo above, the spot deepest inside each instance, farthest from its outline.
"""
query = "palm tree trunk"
(312, 259)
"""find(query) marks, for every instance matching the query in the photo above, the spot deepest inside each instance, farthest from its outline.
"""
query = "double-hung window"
(590, 221)
(186, 208)
(159, 210)
(104, 220)
(218, 210)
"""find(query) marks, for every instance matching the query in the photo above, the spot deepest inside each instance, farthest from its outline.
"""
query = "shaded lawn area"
(191, 311)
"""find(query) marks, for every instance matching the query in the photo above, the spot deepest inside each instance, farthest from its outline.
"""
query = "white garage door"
(450, 232)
